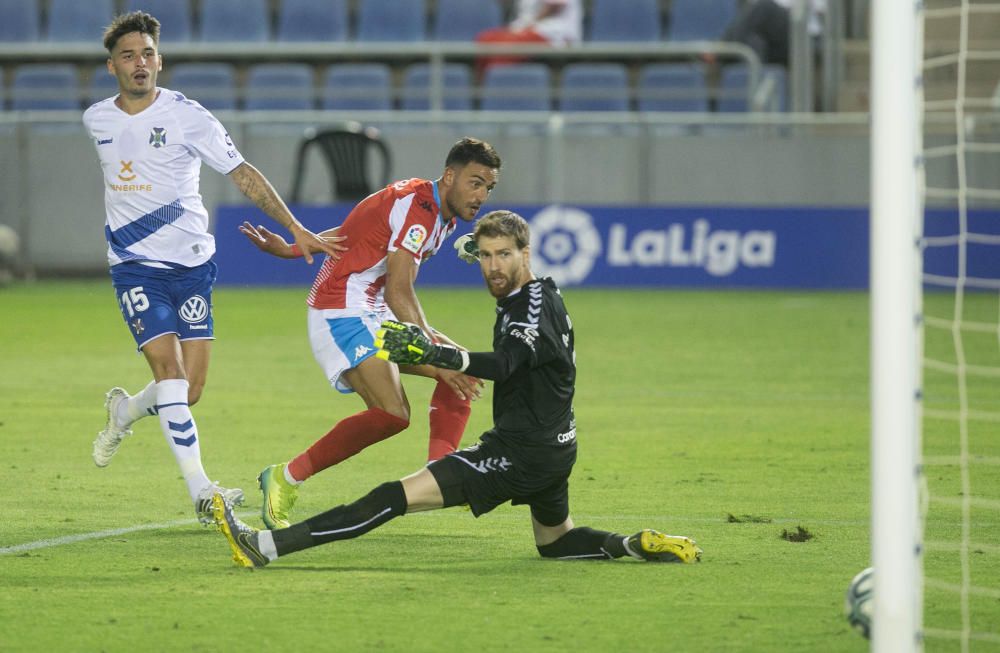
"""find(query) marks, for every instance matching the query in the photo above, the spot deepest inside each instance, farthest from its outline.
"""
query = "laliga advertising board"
(642, 246)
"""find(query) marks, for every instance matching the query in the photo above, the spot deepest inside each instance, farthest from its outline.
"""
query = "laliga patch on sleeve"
(414, 238)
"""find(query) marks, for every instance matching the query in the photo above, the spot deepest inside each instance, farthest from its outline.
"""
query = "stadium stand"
(174, 15)
(19, 21)
(392, 20)
(457, 81)
(213, 85)
(624, 20)
(736, 94)
(44, 87)
(287, 87)
(101, 84)
(519, 87)
(594, 87)
(75, 21)
(234, 20)
(312, 20)
(357, 87)
(346, 150)
(671, 87)
(699, 20)
(462, 20)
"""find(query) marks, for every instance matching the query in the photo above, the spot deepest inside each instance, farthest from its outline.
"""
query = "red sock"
(449, 415)
(349, 436)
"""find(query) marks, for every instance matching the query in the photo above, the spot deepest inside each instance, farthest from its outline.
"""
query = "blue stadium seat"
(519, 87)
(734, 89)
(213, 85)
(75, 21)
(44, 87)
(457, 81)
(174, 16)
(624, 20)
(287, 87)
(102, 84)
(672, 87)
(357, 87)
(462, 20)
(699, 20)
(312, 20)
(736, 94)
(234, 20)
(392, 20)
(594, 87)
(18, 21)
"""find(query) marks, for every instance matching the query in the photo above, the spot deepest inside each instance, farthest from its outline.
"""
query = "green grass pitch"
(730, 417)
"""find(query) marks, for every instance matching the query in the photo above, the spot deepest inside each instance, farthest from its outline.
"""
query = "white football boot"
(107, 442)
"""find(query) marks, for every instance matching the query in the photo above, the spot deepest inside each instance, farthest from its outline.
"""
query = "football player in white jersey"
(151, 142)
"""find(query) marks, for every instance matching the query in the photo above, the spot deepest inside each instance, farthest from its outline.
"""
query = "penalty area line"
(96, 535)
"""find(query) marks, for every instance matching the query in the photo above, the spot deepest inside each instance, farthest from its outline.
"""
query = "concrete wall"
(50, 186)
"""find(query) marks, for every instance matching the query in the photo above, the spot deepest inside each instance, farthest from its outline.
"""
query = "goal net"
(935, 304)
(960, 249)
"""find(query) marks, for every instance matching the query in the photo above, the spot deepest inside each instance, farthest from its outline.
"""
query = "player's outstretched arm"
(259, 190)
(271, 243)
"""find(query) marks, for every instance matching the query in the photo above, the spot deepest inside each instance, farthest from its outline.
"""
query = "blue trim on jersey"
(122, 238)
(437, 199)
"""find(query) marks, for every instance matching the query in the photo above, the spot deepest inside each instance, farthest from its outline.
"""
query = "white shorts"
(341, 342)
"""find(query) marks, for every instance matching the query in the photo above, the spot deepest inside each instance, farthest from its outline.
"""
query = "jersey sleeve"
(210, 140)
(412, 221)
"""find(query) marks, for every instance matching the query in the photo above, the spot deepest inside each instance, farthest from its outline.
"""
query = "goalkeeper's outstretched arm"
(407, 344)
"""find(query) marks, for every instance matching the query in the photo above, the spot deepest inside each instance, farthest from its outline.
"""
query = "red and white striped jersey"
(404, 215)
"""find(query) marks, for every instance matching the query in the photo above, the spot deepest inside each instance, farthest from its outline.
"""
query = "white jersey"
(152, 167)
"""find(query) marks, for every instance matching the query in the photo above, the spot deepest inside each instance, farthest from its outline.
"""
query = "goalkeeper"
(525, 459)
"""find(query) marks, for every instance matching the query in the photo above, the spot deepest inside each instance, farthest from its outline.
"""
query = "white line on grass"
(96, 535)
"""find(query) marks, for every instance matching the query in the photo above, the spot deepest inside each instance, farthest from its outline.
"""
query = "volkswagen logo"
(194, 310)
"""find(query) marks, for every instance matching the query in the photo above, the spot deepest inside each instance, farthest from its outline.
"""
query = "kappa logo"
(158, 137)
(414, 238)
(360, 351)
(568, 244)
(194, 310)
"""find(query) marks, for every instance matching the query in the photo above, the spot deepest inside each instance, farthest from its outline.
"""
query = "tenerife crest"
(158, 137)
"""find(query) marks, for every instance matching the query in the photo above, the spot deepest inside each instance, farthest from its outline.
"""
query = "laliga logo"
(565, 244)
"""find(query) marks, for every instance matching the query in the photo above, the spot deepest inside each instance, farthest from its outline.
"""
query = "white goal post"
(896, 223)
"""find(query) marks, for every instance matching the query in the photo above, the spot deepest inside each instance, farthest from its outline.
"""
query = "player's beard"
(505, 283)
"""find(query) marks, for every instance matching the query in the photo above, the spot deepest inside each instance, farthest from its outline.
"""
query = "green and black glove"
(406, 344)
(467, 248)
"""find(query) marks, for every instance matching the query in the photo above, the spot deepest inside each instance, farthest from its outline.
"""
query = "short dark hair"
(503, 224)
(472, 150)
(136, 21)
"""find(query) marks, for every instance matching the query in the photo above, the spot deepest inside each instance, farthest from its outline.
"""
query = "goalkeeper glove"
(405, 344)
(467, 248)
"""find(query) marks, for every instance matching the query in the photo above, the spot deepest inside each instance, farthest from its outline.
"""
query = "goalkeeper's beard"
(500, 285)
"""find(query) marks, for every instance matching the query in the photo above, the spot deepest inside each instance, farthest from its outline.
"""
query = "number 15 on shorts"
(134, 301)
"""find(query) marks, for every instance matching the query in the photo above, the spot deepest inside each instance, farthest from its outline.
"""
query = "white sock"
(177, 424)
(265, 544)
(142, 404)
(288, 476)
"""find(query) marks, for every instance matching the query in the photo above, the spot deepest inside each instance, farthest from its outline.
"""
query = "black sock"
(345, 522)
(585, 543)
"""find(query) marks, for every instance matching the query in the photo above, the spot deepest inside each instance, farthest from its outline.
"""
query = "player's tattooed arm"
(259, 190)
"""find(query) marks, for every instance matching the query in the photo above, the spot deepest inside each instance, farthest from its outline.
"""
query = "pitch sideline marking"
(96, 535)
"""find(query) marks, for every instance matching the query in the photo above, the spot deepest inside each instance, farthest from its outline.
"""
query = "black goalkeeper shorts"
(489, 474)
